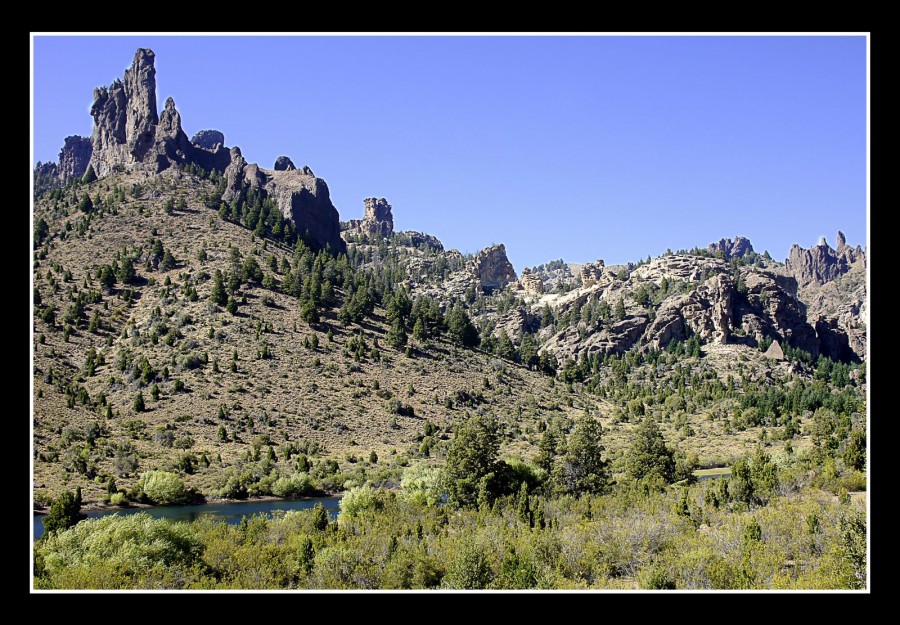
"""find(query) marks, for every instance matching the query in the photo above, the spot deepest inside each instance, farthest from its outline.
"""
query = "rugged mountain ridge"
(129, 134)
(821, 263)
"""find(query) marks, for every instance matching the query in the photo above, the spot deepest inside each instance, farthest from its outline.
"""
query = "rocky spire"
(377, 219)
(140, 94)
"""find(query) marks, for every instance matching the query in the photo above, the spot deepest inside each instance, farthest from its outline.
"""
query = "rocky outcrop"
(516, 321)
(738, 248)
(770, 309)
(125, 118)
(140, 99)
(412, 238)
(284, 163)
(707, 312)
(305, 200)
(208, 139)
(377, 219)
(616, 338)
(492, 268)
(591, 273)
(531, 283)
(821, 264)
(171, 145)
(74, 158)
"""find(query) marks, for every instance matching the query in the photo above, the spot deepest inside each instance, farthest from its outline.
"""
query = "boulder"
(284, 163)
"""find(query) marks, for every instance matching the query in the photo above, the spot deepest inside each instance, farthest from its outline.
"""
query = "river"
(230, 512)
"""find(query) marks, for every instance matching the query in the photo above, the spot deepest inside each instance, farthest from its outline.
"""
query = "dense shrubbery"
(626, 539)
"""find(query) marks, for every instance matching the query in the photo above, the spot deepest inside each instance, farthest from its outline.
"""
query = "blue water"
(230, 513)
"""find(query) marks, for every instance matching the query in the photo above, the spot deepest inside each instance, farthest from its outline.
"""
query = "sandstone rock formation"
(531, 282)
(492, 268)
(284, 163)
(127, 129)
(208, 139)
(821, 263)
(591, 273)
(738, 248)
(377, 219)
(516, 321)
(129, 134)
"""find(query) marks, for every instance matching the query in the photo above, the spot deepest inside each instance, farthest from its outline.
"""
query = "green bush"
(296, 485)
(162, 487)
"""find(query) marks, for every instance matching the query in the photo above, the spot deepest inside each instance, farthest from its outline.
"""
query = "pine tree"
(65, 511)
(619, 311)
(396, 336)
(89, 175)
(583, 469)
(218, 294)
(648, 456)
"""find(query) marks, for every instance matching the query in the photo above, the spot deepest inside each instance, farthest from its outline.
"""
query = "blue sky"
(560, 147)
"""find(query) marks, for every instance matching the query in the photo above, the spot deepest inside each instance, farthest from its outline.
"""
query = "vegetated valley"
(205, 328)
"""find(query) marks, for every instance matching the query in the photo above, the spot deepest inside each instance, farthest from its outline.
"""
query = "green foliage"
(65, 511)
(118, 552)
(471, 458)
(460, 327)
(89, 175)
(582, 469)
(163, 488)
(396, 335)
(469, 569)
(753, 479)
(138, 403)
(297, 485)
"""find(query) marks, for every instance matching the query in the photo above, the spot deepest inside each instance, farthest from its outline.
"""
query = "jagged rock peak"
(208, 139)
(738, 248)
(377, 219)
(284, 163)
(492, 268)
(821, 264)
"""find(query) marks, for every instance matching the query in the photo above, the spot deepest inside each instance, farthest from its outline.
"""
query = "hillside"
(197, 313)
